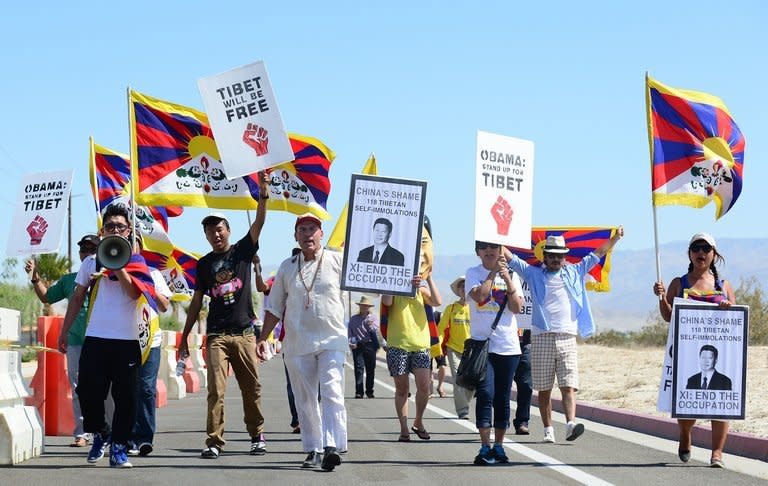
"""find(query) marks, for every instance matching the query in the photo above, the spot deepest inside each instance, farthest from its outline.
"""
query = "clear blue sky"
(410, 81)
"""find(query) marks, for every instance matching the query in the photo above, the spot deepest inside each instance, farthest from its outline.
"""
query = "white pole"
(656, 247)
(133, 176)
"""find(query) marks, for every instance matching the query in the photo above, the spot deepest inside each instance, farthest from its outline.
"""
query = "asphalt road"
(603, 455)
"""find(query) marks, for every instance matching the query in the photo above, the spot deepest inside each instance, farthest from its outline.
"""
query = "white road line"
(543, 459)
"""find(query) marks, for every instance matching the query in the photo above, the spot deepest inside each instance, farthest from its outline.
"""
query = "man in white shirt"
(306, 294)
(560, 311)
(111, 353)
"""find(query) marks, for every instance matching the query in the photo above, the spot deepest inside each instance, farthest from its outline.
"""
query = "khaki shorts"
(553, 354)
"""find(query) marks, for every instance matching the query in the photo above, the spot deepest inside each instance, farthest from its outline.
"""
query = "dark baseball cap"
(89, 240)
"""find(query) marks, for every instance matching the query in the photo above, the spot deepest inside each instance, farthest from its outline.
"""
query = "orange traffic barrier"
(52, 394)
(191, 378)
(161, 399)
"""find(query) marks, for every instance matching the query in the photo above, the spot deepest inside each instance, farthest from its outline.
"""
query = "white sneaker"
(549, 435)
(573, 431)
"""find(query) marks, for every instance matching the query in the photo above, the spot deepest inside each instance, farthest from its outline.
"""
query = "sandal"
(422, 433)
(79, 442)
(404, 438)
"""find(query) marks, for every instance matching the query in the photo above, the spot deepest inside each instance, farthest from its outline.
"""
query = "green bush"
(28, 355)
(20, 298)
(169, 323)
(612, 338)
(751, 293)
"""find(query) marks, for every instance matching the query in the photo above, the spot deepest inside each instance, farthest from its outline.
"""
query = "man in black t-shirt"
(224, 275)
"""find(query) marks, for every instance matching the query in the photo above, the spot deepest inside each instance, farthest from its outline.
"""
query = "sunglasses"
(698, 248)
(483, 246)
(115, 226)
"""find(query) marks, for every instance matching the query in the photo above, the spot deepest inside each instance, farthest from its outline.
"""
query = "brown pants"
(240, 352)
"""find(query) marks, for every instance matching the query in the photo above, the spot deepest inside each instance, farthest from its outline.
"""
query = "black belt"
(245, 331)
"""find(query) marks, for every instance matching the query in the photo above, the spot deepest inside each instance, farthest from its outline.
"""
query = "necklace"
(314, 277)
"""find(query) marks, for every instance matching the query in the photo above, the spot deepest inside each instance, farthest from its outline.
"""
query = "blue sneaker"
(485, 456)
(118, 456)
(98, 447)
(499, 454)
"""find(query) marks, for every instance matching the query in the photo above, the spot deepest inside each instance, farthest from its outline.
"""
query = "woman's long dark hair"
(719, 259)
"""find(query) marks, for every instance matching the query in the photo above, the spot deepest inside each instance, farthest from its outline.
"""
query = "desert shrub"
(751, 293)
(611, 337)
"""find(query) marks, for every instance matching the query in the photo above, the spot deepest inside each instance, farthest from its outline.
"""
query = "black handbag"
(474, 359)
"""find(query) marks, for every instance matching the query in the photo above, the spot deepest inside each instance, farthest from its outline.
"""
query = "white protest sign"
(525, 317)
(709, 361)
(383, 240)
(503, 190)
(245, 120)
(41, 210)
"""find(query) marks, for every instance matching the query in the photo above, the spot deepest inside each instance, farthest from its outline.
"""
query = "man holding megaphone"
(111, 354)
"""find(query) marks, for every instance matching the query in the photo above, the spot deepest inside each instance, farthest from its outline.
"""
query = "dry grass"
(629, 379)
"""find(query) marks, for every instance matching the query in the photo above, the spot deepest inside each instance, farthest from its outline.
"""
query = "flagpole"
(650, 146)
(133, 179)
(248, 214)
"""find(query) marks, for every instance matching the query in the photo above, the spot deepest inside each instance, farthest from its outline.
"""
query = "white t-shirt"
(112, 314)
(558, 308)
(504, 339)
(161, 288)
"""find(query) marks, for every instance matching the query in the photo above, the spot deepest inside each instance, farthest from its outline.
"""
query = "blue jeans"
(524, 384)
(494, 392)
(146, 399)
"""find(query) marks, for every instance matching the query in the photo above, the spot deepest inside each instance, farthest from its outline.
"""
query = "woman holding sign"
(494, 295)
(701, 283)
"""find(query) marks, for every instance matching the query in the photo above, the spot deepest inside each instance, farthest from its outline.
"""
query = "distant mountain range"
(631, 302)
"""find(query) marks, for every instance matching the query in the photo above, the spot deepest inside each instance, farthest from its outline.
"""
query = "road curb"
(738, 443)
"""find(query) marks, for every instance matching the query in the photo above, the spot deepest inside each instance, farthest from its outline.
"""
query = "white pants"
(307, 371)
(461, 396)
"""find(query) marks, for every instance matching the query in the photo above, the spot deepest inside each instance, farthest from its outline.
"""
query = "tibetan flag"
(179, 270)
(581, 242)
(697, 151)
(110, 174)
(176, 162)
(336, 240)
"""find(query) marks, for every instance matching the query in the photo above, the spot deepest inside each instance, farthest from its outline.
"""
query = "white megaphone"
(114, 252)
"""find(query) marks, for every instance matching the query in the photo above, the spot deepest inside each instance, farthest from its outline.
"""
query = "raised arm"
(605, 248)
(430, 294)
(261, 211)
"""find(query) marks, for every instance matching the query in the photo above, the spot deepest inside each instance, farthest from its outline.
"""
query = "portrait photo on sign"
(709, 361)
(383, 239)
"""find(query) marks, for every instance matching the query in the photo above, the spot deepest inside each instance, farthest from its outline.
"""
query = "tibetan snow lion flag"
(697, 151)
(176, 162)
(179, 269)
(110, 174)
(581, 242)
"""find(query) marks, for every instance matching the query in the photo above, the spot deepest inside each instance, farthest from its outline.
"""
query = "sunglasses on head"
(697, 248)
(483, 246)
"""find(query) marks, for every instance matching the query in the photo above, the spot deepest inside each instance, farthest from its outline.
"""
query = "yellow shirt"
(407, 326)
(456, 319)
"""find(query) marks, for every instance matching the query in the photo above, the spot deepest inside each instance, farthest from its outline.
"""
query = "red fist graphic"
(36, 229)
(256, 137)
(502, 214)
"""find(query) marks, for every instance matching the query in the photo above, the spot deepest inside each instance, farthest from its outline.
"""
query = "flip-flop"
(422, 433)
(404, 438)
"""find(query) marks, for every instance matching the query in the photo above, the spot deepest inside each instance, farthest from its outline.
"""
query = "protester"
(494, 295)
(59, 291)
(455, 325)
(111, 352)
(437, 360)
(560, 311)
(524, 384)
(410, 331)
(265, 287)
(224, 274)
(306, 295)
(143, 433)
(364, 343)
(702, 283)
